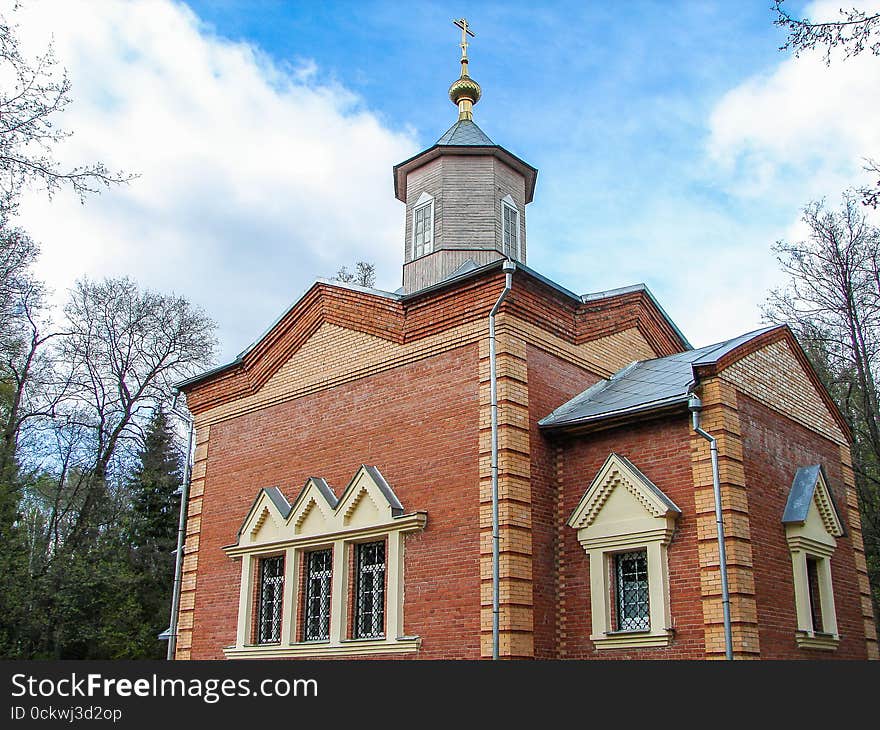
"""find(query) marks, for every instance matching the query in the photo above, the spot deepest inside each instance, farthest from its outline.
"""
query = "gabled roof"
(254, 365)
(647, 385)
(465, 133)
(806, 481)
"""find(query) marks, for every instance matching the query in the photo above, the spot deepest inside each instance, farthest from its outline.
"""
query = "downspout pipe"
(508, 268)
(181, 532)
(696, 405)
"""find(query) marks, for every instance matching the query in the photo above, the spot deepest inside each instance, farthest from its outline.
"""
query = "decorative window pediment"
(368, 501)
(622, 499)
(625, 523)
(810, 511)
(812, 525)
(367, 522)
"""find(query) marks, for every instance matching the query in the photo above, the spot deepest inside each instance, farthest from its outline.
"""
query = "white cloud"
(802, 130)
(254, 178)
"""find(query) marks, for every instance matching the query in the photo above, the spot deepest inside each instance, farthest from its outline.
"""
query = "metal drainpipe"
(696, 405)
(181, 534)
(508, 268)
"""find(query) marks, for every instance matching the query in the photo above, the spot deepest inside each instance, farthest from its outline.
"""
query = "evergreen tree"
(152, 535)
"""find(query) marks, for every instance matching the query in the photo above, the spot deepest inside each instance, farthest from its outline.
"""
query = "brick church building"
(484, 463)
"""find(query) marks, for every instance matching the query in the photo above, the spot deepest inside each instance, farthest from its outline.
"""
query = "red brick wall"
(661, 450)
(419, 425)
(552, 382)
(774, 448)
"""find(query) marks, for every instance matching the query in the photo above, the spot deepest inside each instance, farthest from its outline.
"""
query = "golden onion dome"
(465, 88)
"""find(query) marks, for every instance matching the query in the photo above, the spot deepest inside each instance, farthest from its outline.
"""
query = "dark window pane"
(271, 590)
(319, 577)
(815, 595)
(631, 589)
(369, 620)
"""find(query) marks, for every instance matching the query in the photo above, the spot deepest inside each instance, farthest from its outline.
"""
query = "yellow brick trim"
(189, 569)
(721, 419)
(603, 356)
(516, 613)
(774, 377)
(334, 355)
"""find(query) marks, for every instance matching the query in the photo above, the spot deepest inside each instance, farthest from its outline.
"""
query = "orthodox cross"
(465, 32)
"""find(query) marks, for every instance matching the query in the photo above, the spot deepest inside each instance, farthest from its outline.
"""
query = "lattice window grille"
(270, 600)
(319, 578)
(631, 589)
(370, 591)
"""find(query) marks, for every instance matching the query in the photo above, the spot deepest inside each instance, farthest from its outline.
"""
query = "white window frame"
(641, 518)
(337, 525)
(424, 201)
(507, 202)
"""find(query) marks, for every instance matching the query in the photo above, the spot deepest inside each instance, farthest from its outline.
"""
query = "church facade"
(484, 463)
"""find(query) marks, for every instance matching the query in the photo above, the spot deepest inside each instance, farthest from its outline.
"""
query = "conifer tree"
(152, 533)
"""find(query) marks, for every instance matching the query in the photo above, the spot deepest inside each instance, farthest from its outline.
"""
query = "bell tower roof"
(465, 132)
(465, 195)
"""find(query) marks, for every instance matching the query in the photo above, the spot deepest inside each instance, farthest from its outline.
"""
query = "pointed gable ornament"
(811, 517)
(367, 502)
(621, 499)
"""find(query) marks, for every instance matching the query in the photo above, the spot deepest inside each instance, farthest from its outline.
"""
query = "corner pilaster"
(721, 419)
(186, 609)
(516, 619)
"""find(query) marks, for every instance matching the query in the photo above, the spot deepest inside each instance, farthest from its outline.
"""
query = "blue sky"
(674, 143)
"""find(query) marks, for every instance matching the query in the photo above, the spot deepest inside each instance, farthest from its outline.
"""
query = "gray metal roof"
(385, 488)
(642, 386)
(280, 502)
(802, 488)
(465, 133)
(325, 490)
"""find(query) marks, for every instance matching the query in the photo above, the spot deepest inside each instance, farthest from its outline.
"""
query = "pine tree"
(152, 534)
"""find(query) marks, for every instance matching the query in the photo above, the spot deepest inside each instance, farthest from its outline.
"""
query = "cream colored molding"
(815, 538)
(351, 647)
(621, 511)
(368, 510)
(817, 641)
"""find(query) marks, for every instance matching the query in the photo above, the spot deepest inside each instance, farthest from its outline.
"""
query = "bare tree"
(363, 275)
(32, 96)
(124, 348)
(853, 32)
(832, 302)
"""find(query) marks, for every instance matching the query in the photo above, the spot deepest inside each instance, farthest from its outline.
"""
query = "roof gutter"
(509, 267)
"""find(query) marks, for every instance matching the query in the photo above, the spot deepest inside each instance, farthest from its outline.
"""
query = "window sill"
(823, 642)
(632, 639)
(348, 647)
